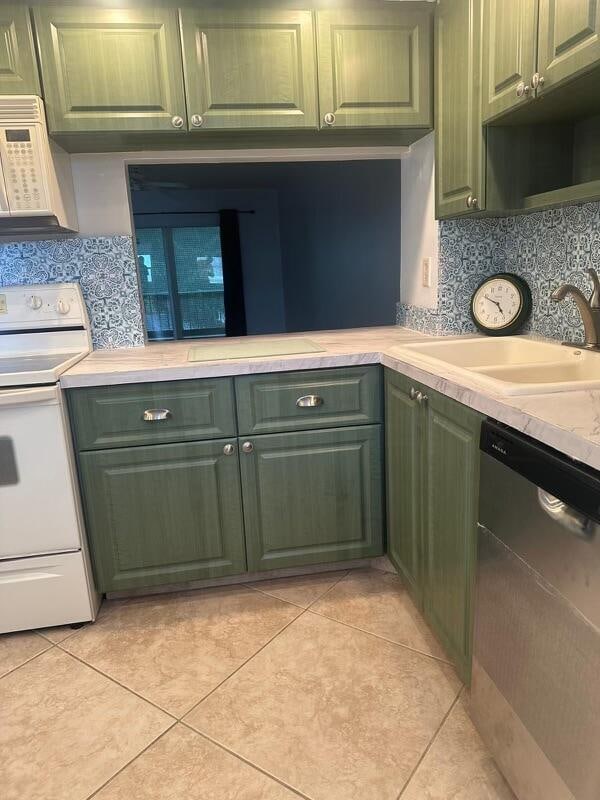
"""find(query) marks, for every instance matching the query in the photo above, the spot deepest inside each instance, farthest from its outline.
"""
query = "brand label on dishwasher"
(3, 306)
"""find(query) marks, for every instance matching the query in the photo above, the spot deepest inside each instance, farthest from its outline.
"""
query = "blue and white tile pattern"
(103, 265)
(546, 248)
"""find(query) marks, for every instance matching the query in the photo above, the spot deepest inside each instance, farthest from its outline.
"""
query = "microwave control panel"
(24, 174)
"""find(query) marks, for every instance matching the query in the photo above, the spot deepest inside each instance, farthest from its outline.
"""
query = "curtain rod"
(172, 213)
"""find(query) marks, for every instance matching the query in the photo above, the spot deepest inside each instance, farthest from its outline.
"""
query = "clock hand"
(496, 303)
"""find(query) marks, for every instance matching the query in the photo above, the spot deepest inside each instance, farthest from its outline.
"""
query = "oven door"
(38, 512)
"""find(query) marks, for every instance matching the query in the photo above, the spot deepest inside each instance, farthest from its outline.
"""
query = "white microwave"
(36, 186)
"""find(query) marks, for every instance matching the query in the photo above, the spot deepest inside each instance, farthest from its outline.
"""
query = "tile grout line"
(430, 744)
(243, 664)
(64, 639)
(331, 588)
(279, 632)
(28, 660)
(118, 683)
(438, 659)
(297, 605)
(197, 703)
(244, 760)
(124, 767)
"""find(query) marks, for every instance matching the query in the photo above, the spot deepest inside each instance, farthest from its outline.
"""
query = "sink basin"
(513, 365)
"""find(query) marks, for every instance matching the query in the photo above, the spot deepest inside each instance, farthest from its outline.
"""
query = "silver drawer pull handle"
(309, 401)
(156, 415)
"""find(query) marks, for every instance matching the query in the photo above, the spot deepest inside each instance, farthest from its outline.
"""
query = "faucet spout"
(568, 289)
(590, 313)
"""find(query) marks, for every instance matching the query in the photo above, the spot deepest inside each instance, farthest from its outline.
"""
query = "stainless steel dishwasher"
(535, 694)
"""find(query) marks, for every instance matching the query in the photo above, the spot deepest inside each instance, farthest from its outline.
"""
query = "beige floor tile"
(65, 729)
(57, 634)
(377, 602)
(182, 764)
(176, 648)
(383, 563)
(458, 765)
(17, 648)
(333, 712)
(302, 590)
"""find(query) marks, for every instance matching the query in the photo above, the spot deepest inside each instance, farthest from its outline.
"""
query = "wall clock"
(501, 304)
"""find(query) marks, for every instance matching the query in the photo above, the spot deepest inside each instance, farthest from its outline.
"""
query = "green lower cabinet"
(403, 436)
(451, 484)
(163, 514)
(312, 497)
(432, 456)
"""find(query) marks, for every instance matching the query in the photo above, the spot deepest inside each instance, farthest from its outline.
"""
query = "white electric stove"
(45, 575)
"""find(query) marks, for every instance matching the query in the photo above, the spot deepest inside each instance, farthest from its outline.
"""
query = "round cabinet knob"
(196, 120)
(229, 449)
(523, 89)
(34, 302)
(537, 81)
(413, 393)
(329, 119)
(177, 122)
(472, 201)
(247, 447)
(63, 307)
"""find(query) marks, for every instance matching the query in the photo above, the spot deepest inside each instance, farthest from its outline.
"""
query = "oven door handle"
(22, 397)
(569, 518)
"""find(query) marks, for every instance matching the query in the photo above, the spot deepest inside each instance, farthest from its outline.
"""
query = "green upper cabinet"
(509, 54)
(111, 69)
(249, 69)
(375, 68)
(450, 523)
(163, 514)
(18, 67)
(569, 39)
(459, 173)
(403, 439)
(313, 496)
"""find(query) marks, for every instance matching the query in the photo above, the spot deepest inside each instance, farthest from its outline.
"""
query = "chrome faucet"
(589, 310)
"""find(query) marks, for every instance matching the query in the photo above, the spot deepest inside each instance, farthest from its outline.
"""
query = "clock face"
(497, 303)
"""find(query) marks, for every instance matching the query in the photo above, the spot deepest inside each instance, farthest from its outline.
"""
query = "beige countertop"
(568, 421)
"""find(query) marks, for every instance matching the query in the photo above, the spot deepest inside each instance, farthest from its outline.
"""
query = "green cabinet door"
(510, 30)
(404, 484)
(249, 69)
(451, 460)
(459, 173)
(163, 514)
(18, 67)
(569, 39)
(375, 68)
(111, 69)
(312, 497)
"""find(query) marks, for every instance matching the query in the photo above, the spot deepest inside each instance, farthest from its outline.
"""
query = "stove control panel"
(50, 306)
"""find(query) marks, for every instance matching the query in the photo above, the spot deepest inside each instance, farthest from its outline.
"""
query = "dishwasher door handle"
(569, 518)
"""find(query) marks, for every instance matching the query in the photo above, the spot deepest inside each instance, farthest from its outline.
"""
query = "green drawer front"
(269, 403)
(113, 416)
(313, 496)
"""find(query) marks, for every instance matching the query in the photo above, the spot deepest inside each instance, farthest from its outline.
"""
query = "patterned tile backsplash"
(547, 248)
(103, 265)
